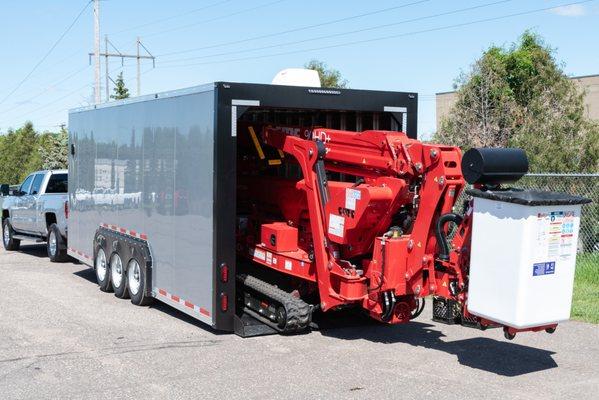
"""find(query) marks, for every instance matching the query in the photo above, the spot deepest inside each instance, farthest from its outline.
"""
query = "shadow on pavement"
(498, 357)
(36, 250)
(173, 312)
(89, 275)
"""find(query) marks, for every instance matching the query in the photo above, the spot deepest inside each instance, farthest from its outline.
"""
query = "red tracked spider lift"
(364, 223)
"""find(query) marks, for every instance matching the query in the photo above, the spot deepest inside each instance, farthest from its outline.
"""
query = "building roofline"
(584, 76)
(448, 92)
(570, 77)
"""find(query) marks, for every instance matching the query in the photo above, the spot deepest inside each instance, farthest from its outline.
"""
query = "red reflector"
(224, 302)
(224, 273)
(66, 209)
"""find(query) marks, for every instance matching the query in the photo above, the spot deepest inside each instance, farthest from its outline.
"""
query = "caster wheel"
(508, 335)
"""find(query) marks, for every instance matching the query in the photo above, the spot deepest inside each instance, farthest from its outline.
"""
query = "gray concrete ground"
(60, 337)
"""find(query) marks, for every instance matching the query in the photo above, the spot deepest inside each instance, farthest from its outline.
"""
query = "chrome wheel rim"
(52, 243)
(6, 235)
(116, 270)
(101, 265)
(134, 277)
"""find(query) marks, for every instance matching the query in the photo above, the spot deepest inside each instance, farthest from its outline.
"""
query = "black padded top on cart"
(528, 197)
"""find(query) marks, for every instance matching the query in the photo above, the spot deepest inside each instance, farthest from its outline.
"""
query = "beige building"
(588, 83)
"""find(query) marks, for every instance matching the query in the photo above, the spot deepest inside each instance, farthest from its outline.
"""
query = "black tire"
(56, 246)
(10, 243)
(118, 276)
(102, 269)
(137, 283)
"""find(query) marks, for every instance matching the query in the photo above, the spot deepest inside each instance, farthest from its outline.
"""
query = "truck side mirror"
(4, 189)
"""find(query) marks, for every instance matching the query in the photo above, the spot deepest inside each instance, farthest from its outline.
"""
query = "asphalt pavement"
(60, 337)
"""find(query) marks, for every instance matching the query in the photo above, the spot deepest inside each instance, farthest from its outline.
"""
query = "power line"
(382, 37)
(47, 53)
(78, 71)
(215, 18)
(171, 17)
(88, 84)
(63, 97)
(335, 21)
(342, 33)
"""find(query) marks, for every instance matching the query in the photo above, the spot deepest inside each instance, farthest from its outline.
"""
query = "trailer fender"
(128, 247)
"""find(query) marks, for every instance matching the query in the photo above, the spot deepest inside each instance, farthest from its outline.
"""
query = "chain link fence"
(585, 185)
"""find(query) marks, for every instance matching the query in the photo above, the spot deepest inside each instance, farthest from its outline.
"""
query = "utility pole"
(97, 95)
(122, 56)
(138, 68)
(106, 68)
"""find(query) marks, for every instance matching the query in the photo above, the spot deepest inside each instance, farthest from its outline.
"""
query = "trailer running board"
(278, 310)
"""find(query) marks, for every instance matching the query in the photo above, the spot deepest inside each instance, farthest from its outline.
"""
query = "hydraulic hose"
(440, 233)
(419, 308)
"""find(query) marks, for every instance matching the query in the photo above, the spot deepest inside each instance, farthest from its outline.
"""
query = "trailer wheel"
(102, 270)
(10, 243)
(136, 282)
(118, 276)
(57, 251)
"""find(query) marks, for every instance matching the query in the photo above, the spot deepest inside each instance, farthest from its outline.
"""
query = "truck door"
(29, 202)
(16, 209)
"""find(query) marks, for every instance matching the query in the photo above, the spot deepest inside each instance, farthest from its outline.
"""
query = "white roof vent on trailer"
(297, 77)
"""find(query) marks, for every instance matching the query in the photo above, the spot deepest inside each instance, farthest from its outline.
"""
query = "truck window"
(58, 183)
(24, 188)
(37, 184)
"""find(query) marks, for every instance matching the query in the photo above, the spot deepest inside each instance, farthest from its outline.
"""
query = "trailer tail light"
(224, 302)
(66, 209)
(224, 273)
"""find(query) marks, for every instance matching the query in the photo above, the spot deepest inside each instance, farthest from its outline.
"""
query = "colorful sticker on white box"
(567, 248)
(351, 197)
(555, 235)
(336, 225)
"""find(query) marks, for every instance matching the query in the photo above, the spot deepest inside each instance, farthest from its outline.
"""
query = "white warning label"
(288, 265)
(336, 225)
(555, 235)
(351, 197)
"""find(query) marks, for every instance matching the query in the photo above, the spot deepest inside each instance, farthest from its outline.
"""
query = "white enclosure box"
(523, 256)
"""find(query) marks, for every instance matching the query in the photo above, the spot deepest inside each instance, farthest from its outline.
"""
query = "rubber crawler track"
(299, 313)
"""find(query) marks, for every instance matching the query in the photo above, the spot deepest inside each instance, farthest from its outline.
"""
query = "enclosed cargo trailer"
(154, 179)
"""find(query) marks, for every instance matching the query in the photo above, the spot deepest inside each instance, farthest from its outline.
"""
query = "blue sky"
(404, 46)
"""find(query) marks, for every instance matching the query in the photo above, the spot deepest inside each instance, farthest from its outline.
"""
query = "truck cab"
(37, 211)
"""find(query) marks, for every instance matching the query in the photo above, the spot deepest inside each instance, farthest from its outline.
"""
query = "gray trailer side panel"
(147, 166)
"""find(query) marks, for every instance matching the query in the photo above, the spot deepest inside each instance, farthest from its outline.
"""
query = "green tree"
(19, 154)
(53, 149)
(120, 90)
(329, 77)
(519, 96)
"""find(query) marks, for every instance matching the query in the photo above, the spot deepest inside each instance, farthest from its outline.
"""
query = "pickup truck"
(38, 211)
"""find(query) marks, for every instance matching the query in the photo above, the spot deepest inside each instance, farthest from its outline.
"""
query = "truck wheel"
(118, 276)
(136, 282)
(57, 251)
(102, 270)
(10, 243)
